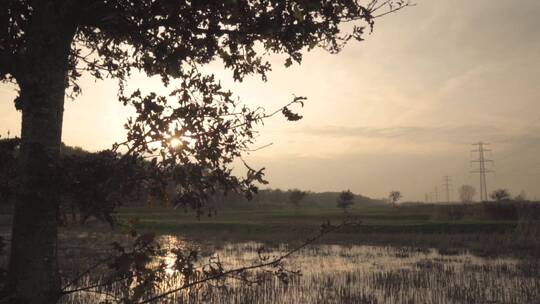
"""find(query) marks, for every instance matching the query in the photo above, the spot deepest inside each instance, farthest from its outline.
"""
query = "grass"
(361, 274)
(420, 226)
(400, 269)
(259, 221)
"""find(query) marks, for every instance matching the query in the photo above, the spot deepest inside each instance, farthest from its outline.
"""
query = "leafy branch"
(132, 267)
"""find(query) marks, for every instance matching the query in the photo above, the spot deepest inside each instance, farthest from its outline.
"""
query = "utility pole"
(447, 184)
(482, 169)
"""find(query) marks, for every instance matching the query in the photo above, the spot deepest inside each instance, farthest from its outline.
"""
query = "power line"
(447, 184)
(482, 168)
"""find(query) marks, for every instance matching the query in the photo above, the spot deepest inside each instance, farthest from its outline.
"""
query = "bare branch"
(393, 9)
(87, 271)
(326, 229)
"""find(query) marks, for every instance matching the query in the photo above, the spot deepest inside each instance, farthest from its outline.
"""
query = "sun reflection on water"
(360, 274)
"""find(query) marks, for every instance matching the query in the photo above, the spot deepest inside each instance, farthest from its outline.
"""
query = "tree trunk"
(33, 272)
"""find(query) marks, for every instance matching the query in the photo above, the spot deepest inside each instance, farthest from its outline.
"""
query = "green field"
(417, 226)
(261, 221)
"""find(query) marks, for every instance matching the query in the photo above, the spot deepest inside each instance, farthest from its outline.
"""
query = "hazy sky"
(398, 111)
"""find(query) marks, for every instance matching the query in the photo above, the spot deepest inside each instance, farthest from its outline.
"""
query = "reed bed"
(360, 274)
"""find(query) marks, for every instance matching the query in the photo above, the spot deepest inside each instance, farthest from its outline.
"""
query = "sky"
(398, 111)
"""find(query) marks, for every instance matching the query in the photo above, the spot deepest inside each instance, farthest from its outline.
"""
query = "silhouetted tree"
(394, 197)
(8, 166)
(296, 196)
(46, 46)
(466, 193)
(91, 184)
(500, 195)
(521, 197)
(3, 272)
(345, 200)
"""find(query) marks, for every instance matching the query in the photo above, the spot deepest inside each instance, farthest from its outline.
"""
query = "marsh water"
(361, 274)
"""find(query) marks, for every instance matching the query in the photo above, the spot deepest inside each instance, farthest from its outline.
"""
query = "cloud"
(418, 134)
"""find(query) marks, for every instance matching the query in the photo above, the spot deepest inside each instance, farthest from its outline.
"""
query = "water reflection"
(364, 274)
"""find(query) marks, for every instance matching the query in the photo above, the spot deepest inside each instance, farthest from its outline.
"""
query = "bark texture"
(33, 272)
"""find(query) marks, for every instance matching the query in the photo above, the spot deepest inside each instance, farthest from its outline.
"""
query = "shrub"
(501, 211)
(345, 200)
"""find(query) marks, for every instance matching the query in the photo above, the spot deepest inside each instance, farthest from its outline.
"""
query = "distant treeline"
(279, 197)
(83, 171)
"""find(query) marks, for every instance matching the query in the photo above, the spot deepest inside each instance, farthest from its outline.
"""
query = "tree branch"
(392, 9)
(324, 231)
(7, 63)
(87, 271)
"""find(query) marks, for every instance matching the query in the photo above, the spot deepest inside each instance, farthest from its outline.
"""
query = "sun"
(175, 142)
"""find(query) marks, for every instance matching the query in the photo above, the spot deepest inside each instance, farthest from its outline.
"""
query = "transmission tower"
(482, 168)
(447, 184)
(436, 193)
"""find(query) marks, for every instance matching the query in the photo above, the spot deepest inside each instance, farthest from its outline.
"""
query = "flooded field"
(355, 274)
